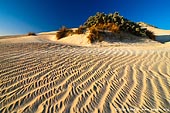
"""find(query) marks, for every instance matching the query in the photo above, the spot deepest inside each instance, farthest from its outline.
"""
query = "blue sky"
(23, 16)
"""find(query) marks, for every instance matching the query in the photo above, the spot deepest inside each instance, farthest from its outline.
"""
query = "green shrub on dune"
(112, 22)
(123, 24)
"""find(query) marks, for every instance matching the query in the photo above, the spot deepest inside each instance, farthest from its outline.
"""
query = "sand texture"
(48, 77)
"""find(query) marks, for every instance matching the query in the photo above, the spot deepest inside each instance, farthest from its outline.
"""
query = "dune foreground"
(49, 77)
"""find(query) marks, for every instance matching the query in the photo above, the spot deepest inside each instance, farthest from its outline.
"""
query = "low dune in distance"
(42, 75)
(161, 34)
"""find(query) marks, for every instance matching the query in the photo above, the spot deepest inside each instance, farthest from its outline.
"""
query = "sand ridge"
(158, 31)
(49, 77)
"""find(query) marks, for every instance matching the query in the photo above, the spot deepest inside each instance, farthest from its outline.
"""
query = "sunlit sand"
(41, 74)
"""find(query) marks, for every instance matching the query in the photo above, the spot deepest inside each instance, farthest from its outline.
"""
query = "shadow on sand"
(163, 38)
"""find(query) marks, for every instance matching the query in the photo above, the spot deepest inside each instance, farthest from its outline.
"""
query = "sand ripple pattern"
(48, 78)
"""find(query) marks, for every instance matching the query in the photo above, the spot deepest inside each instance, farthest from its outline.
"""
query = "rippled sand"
(48, 77)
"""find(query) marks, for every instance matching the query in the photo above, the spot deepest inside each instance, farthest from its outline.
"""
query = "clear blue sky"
(22, 16)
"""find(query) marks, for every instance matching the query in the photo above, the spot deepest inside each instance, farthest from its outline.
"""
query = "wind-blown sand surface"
(40, 76)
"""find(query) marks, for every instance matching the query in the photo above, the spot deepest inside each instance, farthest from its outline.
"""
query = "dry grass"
(95, 35)
(108, 26)
(80, 30)
(91, 37)
(97, 31)
(113, 28)
(63, 32)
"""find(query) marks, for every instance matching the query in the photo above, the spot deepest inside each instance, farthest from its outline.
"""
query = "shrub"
(116, 23)
(101, 26)
(94, 30)
(31, 34)
(108, 26)
(91, 37)
(113, 28)
(80, 30)
(94, 35)
(63, 32)
(150, 34)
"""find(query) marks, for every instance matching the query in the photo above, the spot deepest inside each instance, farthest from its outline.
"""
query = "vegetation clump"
(80, 30)
(63, 32)
(112, 23)
(31, 34)
(94, 35)
(122, 24)
(98, 32)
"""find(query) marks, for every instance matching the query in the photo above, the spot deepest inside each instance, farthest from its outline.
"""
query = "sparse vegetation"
(97, 33)
(80, 30)
(31, 34)
(94, 34)
(109, 27)
(113, 24)
(116, 23)
(91, 37)
(63, 32)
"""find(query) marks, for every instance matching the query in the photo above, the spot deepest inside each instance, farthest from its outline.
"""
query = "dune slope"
(48, 77)
(161, 34)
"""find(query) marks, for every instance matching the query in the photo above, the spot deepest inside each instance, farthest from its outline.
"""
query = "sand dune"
(28, 39)
(158, 31)
(49, 77)
(161, 34)
(47, 37)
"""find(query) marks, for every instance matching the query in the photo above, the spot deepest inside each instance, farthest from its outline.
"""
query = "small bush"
(113, 28)
(31, 34)
(101, 26)
(91, 37)
(108, 26)
(117, 23)
(150, 34)
(80, 30)
(63, 32)
(94, 35)
(94, 30)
